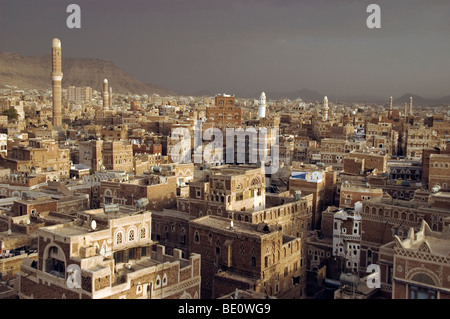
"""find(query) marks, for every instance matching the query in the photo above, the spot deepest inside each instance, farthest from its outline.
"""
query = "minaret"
(262, 106)
(110, 96)
(411, 106)
(105, 94)
(390, 105)
(325, 109)
(57, 76)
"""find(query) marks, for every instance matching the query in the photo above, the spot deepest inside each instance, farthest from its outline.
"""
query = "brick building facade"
(246, 256)
(116, 261)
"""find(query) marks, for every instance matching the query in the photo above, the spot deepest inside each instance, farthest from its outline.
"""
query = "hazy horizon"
(245, 47)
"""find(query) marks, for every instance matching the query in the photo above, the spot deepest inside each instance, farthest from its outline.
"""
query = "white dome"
(56, 43)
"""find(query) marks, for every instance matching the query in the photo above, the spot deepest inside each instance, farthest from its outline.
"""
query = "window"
(131, 235)
(119, 238)
(118, 257)
(183, 236)
(131, 254)
(196, 237)
(143, 233)
(253, 261)
(421, 293)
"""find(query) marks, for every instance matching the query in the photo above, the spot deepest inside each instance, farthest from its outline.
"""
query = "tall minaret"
(262, 106)
(325, 109)
(110, 97)
(105, 94)
(57, 76)
(390, 105)
(411, 106)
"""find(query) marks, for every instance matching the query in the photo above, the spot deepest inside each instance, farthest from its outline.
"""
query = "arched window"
(196, 237)
(119, 238)
(143, 233)
(131, 235)
(55, 261)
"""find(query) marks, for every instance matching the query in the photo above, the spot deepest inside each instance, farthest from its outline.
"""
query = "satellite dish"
(28, 221)
(93, 225)
(9, 231)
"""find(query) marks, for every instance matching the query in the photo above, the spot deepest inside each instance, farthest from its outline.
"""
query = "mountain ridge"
(34, 72)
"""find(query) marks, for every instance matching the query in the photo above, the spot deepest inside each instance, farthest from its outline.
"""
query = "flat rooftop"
(232, 169)
(67, 230)
(224, 224)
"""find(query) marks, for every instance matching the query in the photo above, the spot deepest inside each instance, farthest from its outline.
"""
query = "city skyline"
(129, 196)
(248, 47)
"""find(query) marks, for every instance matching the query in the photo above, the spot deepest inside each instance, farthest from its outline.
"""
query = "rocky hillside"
(34, 72)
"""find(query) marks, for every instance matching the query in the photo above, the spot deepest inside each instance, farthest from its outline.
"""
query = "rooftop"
(437, 243)
(236, 227)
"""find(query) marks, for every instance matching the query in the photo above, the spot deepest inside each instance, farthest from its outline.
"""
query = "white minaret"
(262, 106)
(105, 94)
(325, 109)
(390, 104)
(110, 97)
(57, 76)
(411, 106)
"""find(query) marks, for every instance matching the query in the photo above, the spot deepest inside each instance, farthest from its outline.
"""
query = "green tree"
(11, 114)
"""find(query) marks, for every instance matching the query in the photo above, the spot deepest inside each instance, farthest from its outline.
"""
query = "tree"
(11, 114)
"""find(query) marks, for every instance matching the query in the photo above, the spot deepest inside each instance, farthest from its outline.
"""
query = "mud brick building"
(419, 137)
(170, 228)
(373, 161)
(13, 250)
(439, 171)
(246, 256)
(109, 155)
(318, 181)
(115, 256)
(350, 195)
(39, 156)
(160, 191)
(426, 166)
(338, 244)
(13, 185)
(227, 188)
(384, 218)
(383, 137)
(225, 111)
(417, 267)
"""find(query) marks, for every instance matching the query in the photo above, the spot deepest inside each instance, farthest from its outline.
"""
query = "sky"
(244, 47)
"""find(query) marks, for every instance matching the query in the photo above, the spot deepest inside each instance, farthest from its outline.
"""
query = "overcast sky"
(246, 46)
